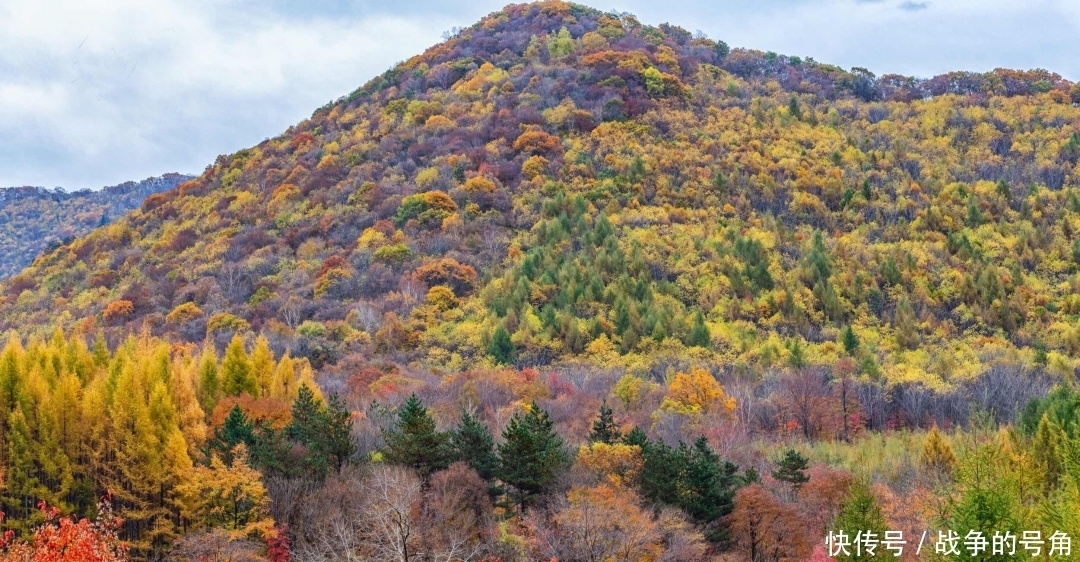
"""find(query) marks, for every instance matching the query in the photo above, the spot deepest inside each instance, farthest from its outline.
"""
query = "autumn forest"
(568, 286)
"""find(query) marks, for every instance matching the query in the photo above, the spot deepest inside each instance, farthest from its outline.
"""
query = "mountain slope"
(556, 182)
(33, 219)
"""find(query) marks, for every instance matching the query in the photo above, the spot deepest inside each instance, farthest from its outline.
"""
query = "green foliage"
(791, 468)
(604, 429)
(531, 456)
(501, 348)
(1061, 407)
(699, 333)
(560, 44)
(850, 341)
(323, 430)
(860, 513)
(473, 443)
(236, 430)
(693, 478)
(414, 441)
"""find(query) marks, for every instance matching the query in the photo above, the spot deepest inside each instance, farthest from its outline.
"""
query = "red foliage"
(60, 539)
(330, 263)
(300, 140)
(277, 546)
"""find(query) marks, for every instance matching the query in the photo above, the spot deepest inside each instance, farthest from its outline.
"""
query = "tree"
(237, 430)
(937, 455)
(237, 375)
(792, 469)
(473, 444)
(766, 529)
(860, 513)
(604, 429)
(414, 441)
(699, 333)
(501, 348)
(531, 456)
(905, 325)
(229, 497)
(850, 341)
(604, 522)
(62, 538)
(1047, 448)
(693, 478)
(457, 513)
(697, 393)
(709, 489)
(337, 431)
(324, 430)
(794, 109)
(390, 514)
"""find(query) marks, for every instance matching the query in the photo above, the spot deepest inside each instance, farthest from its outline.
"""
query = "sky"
(98, 93)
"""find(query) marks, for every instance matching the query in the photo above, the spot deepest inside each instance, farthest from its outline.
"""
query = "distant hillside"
(33, 219)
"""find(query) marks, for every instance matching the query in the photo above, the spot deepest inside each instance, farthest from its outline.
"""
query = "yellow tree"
(229, 497)
(697, 393)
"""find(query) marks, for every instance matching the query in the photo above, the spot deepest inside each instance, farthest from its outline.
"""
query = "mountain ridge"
(65, 215)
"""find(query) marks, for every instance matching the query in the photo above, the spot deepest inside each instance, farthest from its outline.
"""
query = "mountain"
(33, 219)
(558, 184)
(653, 297)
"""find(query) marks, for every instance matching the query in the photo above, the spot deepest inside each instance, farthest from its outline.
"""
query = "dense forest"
(569, 286)
(34, 219)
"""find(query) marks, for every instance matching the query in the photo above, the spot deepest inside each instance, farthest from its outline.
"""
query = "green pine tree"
(860, 512)
(414, 441)
(708, 492)
(501, 348)
(850, 341)
(792, 469)
(531, 456)
(662, 473)
(235, 430)
(637, 437)
(337, 431)
(473, 444)
(604, 429)
(306, 428)
(699, 333)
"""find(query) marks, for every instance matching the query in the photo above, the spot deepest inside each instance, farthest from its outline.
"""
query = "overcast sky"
(97, 93)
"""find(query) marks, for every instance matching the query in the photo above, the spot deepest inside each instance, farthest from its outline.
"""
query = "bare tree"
(215, 546)
(368, 316)
(292, 311)
(390, 512)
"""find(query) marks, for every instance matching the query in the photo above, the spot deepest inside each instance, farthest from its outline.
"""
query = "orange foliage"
(271, 412)
(119, 309)
(536, 141)
(60, 539)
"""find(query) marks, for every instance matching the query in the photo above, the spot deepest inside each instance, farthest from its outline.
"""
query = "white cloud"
(127, 89)
(96, 93)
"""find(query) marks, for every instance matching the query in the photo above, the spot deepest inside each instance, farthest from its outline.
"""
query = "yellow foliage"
(697, 393)
(618, 463)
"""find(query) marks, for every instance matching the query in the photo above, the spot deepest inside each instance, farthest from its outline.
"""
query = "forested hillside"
(567, 275)
(33, 219)
(601, 189)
